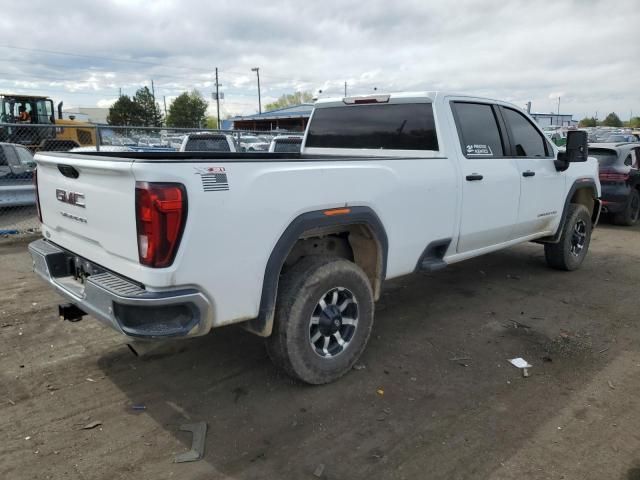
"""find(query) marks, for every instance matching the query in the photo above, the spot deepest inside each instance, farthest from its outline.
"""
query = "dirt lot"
(451, 408)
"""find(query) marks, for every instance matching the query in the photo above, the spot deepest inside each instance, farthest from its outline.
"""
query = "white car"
(297, 247)
(208, 142)
(250, 143)
(286, 144)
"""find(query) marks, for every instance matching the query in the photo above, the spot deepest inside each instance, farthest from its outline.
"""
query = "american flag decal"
(214, 182)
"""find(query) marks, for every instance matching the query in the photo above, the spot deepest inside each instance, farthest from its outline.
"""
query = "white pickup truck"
(164, 245)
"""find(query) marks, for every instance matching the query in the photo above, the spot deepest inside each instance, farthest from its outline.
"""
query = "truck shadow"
(433, 391)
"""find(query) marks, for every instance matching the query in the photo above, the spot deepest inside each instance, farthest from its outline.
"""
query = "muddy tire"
(569, 253)
(323, 319)
(631, 213)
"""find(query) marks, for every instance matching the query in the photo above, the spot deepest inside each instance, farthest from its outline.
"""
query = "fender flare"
(579, 184)
(263, 323)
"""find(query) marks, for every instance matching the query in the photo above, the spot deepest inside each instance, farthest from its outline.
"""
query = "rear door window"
(478, 130)
(5, 152)
(635, 155)
(527, 140)
(406, 126)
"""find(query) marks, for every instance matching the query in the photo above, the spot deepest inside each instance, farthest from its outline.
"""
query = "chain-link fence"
(19, 142)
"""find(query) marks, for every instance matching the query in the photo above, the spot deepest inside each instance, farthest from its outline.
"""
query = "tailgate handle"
(68, 171)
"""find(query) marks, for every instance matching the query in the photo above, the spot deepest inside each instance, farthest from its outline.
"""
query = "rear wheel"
(323, 319)
(631, 213)
(570, 251)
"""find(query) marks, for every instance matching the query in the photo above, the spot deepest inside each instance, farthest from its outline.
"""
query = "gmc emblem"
(72, 198)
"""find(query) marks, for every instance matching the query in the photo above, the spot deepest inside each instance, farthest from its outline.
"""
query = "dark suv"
(16, 176)
(620, 179)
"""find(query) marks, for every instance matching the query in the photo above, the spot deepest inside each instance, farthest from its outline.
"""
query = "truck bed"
(223, 156)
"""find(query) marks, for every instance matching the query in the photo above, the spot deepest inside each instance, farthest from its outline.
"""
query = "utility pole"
(164, 100)
(218, 99)
(257, 70)
(153, 91)
(120, 92)
(345, 89)
(558, 108)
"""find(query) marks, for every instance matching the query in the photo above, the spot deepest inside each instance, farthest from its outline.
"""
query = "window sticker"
(479, 149)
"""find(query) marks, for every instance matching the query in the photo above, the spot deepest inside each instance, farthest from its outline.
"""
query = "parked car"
(173, 141)
(208, 142)
(16, 176)
(150, 142)
(296, 247)
(252, 144)
(620, 179)
(123, 141)
(286, 144)
(620, 137)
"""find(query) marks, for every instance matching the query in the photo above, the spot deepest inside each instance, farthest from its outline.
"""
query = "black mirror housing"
(577, 146)
(576, 150)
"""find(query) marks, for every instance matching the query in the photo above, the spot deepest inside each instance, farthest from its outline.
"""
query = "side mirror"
(576, 150)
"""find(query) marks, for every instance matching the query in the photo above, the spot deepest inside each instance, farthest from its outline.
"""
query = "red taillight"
(614, 177)
(161, 212)
(35, 184)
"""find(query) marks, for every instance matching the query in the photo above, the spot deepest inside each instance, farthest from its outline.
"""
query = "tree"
(634, 122)
(141, 110)
(212, 122)
(588, 122)
(151, 114)
(188, 110)
(125, 112)
(288, 100)
(612, 120)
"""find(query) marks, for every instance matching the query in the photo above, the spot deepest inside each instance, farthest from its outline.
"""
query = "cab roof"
(398, 97)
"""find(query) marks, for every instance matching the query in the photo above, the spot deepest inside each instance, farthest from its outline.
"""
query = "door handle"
(529, 173)
(474, 177)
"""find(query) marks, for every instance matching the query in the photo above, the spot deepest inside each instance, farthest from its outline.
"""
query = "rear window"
(606, 158)
(287, 145)
(478, 130)
(408, 126)
(207, 144)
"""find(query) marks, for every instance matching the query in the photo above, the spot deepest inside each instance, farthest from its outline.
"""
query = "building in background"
(86, 114)
(549, 119)
(289, 119)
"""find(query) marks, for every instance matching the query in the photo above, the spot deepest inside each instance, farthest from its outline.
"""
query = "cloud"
(105, 102)
(518, 50)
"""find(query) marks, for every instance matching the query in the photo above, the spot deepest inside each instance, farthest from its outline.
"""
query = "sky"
(84, 53)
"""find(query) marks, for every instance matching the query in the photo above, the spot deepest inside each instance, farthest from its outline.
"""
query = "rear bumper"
(614, 198)
(120, 303)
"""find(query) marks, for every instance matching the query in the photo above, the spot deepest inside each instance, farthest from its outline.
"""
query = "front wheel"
(323, 319)
(569, 253)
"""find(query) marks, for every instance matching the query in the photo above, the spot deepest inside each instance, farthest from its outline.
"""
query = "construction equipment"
(24, 119)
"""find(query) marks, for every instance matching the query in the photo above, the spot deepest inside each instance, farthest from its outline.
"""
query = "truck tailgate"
(88, 205)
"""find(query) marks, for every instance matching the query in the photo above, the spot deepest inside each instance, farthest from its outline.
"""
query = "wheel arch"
(584, 192)
(320, 221)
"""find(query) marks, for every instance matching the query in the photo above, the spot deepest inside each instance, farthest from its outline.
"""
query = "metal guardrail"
(18, 142)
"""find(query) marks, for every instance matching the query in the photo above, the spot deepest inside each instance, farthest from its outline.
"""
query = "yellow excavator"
(30, 120)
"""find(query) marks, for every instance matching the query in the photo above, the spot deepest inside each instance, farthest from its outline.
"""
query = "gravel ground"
(434, 396)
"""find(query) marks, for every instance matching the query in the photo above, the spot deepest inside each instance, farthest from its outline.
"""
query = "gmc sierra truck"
(296, 247)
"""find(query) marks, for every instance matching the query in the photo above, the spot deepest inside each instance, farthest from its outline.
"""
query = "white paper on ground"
(519, 363)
